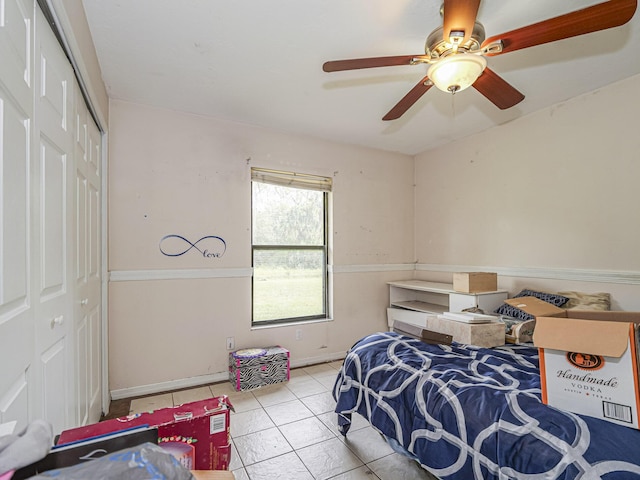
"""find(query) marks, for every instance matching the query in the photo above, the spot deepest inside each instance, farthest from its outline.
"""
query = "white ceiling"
(259, 62)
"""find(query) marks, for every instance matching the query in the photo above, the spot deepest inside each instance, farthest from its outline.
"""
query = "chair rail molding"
(178, 274)
(628, 277)
(584, 275)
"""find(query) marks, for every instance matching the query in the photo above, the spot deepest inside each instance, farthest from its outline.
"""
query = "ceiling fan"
(456, 51)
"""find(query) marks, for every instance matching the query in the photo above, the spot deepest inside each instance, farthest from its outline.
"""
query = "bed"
(466, 412)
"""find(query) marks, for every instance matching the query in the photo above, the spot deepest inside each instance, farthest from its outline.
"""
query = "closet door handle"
(59, 320)
(84, 302)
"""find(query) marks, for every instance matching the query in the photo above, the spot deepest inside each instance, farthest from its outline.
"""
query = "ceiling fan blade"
(409, 99)
(357, 63)
(497, 90)
(459, 16)
(591, 19)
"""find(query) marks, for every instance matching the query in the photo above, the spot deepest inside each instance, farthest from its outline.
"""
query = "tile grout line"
(294, 450)
(278, 427)
(317, 377)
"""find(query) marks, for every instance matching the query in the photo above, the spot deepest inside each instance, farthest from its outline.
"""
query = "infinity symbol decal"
(175, 244)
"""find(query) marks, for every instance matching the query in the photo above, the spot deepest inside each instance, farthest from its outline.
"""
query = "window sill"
(291, 324)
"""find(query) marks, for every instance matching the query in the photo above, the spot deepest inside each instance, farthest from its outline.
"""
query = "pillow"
(552, 298)
(587, 301)
(510, 311)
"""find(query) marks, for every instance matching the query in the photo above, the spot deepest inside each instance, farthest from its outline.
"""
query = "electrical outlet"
(298, 334)
(230, 343)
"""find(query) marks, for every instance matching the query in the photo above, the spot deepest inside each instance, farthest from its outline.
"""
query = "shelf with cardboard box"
(414, 299)
(419, 302)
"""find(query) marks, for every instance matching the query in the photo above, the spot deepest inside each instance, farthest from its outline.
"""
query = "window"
(289, 246)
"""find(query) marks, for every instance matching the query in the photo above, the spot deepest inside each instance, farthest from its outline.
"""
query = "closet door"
(93, 304)
(16, 277)
(88, 266)
(50, 295)
(53, 225)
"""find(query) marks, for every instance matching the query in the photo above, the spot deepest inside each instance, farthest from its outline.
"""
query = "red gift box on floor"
(196, 433)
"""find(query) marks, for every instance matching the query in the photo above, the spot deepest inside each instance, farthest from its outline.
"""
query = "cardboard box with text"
(589, 364)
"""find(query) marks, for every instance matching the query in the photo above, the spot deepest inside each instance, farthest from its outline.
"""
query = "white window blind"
(291, 179)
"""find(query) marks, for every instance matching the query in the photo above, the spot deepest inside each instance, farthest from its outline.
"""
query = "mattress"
(468, 412)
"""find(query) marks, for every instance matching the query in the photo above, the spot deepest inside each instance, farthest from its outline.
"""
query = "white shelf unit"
(412, 301)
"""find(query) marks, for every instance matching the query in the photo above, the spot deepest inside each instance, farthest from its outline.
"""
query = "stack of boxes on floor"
(189, 437)
(196, 434)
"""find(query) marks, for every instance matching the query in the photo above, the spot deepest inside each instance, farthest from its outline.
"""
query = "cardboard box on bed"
(535, 306)
(589, 363)
(473, 282)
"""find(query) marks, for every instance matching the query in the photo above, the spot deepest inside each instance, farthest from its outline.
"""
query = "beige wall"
(548, 201)
(555, 190)
(174, 173)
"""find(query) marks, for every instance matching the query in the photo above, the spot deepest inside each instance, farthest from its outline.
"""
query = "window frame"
(322, 184)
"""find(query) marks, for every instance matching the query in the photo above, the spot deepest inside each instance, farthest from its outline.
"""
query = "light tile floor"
(289, 431)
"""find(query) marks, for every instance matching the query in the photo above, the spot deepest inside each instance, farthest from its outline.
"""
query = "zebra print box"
(255, 367)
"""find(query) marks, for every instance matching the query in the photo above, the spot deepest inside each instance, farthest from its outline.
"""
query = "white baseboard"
(305, 362)
(153, 388)
(168, 386)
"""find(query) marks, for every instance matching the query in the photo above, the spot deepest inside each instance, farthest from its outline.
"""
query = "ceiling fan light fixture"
(456, 72)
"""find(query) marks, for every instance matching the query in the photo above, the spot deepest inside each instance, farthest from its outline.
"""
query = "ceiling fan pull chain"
(453, 106)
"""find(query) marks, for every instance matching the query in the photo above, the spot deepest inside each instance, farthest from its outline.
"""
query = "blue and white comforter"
(466, 412)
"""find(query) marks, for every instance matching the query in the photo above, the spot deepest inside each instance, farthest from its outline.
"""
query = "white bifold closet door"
(17, 319)
(88, 267)
(50, 274)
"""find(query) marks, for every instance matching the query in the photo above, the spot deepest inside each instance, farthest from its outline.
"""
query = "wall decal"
(209, 246)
